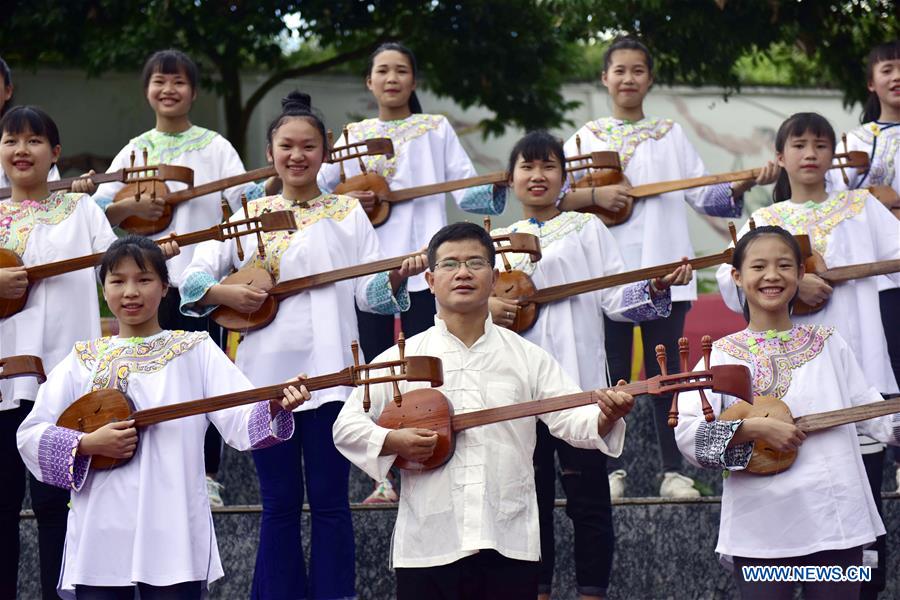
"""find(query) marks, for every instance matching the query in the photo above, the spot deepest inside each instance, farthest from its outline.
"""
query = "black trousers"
(170, 317)
(376, 332)
(189, 590)
(784, 590)
(583, 476)
(50, 505)
(666, 331)
(487, 575)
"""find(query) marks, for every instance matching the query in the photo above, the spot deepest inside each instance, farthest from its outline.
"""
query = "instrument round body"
(517, 285)
(601, 178)
(427, 409)
(887, 196)
(94, 410)
(814, 263)
(145, 226)
(10, 306)
(765, 459)
(233, 320)
(370, 182)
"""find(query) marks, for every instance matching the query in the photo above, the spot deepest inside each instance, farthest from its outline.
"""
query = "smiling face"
(885, 82)
(537, 183)
(27, 158)
(769, 275)
(297, 151)
(391, 79)
(133, 295)
(170, 94)
(806, 158)
(462, 290)
(627, 78)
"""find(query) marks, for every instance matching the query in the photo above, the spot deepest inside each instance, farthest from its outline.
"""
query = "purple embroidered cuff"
(60, 466)
(712, 449)
(643, 305)
(266, 431)
(719, 202)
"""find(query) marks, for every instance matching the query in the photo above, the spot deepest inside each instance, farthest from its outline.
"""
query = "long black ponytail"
(415, 107)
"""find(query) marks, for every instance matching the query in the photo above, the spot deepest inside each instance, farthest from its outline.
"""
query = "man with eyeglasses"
(469, 529)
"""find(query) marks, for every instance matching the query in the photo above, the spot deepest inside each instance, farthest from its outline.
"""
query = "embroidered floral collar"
(165, 147)
(400, 132)
(773, 355)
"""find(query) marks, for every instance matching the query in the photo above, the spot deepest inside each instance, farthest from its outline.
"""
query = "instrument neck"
(561, 292)
(539, 407)
(843, 416)
(446, 186)
(159, 414)
(839, 274)
(219, 185)
(291, 287)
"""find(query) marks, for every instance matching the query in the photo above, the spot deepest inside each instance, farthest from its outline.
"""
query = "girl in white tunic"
(147, 522)
(574, 246)
(40, 227)
(820, 510)
(651, 149)
(170, 80)
(312, 331)
(426, 151)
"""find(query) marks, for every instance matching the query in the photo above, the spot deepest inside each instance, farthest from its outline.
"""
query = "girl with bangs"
(40, 227)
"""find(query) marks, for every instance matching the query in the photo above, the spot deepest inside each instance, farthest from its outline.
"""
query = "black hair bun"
(296, 100)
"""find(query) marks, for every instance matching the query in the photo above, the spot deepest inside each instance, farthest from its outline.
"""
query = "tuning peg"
(401, 345)
(706, 349)
(144, 153)
(842, 169)
(661, 358)
(732, 232)
(367, 401)
(578, 144)
(684, 352)
(330, 135)
(354, 349)
(751, 224)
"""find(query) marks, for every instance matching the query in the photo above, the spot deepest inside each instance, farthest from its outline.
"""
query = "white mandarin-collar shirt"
(484, 497)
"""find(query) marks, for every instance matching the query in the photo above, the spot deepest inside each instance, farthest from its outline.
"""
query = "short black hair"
(537, 145)
(457, 232)
(20, 119)
(627, 42)
(740, 251)
(298, 105)
(144, 251)
(170, 62)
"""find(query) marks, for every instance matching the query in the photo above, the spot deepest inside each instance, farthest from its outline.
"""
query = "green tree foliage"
(511, 56)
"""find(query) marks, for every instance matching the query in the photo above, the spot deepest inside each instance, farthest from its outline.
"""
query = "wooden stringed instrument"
(385, 197)
(235, 321)
(173, 199)
(613, 174)
(815, 264)
(765, 460)
(22, 365)
(430, 409)
(531, 298)
(96, 409)
(127, 175)
(274, 221)
(883, 193)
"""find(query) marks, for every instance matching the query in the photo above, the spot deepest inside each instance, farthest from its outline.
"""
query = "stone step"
(664, 549)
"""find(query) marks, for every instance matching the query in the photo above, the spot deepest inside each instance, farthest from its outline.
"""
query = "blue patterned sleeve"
(195, 287)
(266, 431)
(712, 449)
(254, 191)
(61, 465)
(103, 202)
(380, 299)
(642, 305)
(718, 201)
(485, 199)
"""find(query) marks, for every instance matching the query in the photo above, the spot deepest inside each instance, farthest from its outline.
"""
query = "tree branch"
(257, 96)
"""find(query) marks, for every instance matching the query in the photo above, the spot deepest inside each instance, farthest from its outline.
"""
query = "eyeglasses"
(451, 265)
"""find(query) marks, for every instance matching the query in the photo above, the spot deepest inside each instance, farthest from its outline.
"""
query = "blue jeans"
(280, 570)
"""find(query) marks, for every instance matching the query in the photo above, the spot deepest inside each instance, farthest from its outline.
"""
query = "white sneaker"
(676, 485)
(214, 491)
(617, 484)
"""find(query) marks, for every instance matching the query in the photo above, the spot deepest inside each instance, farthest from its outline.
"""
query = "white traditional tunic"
(484, 497)
(823, 501)
(848, 228)
(881, 142)
(426, 151)
(574, 247)
(211, 157)
(60, 310)
(148, 520)
(53, 175)
(654, 150)
(313, 330)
